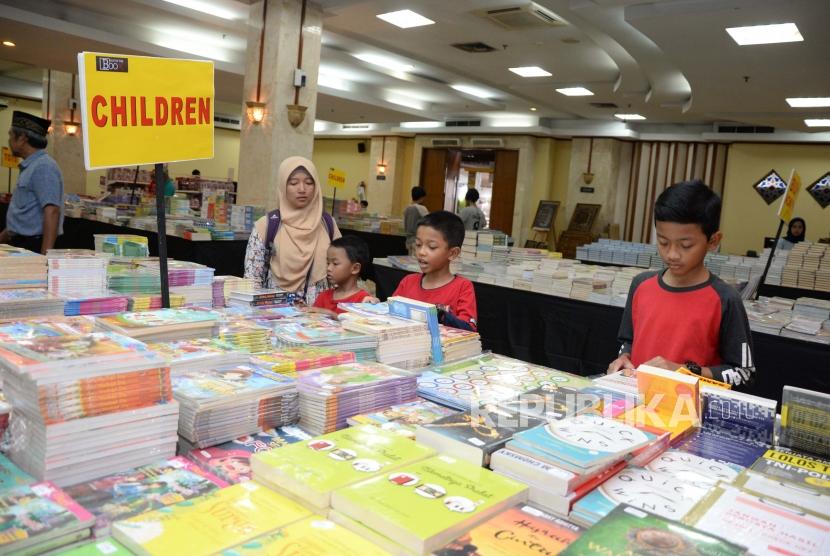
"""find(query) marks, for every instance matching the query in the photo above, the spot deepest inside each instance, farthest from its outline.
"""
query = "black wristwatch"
(692, 366)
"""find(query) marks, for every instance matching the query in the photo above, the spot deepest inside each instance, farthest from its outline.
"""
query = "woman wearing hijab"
(795, 233)
(296, 260)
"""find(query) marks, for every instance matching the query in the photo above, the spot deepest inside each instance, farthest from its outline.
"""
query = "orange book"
(705, 380)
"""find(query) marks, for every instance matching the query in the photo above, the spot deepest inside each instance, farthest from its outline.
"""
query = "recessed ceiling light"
(575, 92)
(533, 109)
(8, 43)
(405, 19)
(209, 8)
(530, 71)
(765, 34)
(421, 125)
(808, 102)
(629, 117)
(384, 62)
(818, 122)
(474, 91)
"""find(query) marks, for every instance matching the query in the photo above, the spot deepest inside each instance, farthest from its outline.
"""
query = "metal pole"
(10, 180)
(162, 236)
(771, 255)
(333, 199)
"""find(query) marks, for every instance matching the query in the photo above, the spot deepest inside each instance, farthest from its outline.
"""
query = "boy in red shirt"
(346, 260)
(685, 315)
(438, 242)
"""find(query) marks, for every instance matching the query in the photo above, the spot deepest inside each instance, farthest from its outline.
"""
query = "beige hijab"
(302, 239)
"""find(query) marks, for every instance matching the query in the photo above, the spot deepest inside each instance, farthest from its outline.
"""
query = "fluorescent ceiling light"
(332, 82)
(320, 125)
(818, 122)
(191, 46)
(474, 91)
(205, 7)
(384, 62)
(531, 71)
(511, 120)
(765, 34)
(408, 102)
(421, 125)
(628, 117)
(405, 19)
(808, 102)
(575, 92)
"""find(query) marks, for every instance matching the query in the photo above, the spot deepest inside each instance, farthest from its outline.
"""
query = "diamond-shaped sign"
(820, 190)
(770, 187)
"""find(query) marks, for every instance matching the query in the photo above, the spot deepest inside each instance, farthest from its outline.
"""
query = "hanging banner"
(337, 178)
(144, 110)
(9, 160)
(785, 211)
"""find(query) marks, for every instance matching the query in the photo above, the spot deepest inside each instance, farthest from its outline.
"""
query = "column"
(67, 150)
(605, 166)
(383, 191)
(263, 146)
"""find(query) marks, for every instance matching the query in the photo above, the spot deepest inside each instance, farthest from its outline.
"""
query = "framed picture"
(583, 217)
(545, 215)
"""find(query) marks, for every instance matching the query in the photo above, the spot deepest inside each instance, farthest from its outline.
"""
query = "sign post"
(10, 161)
(143, 110)
(785, 213)
(337, 178)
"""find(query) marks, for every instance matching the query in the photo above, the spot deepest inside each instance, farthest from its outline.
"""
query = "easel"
(543, 224)
(540, 238)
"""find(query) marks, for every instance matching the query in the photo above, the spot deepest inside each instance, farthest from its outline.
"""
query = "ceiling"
(669, 60)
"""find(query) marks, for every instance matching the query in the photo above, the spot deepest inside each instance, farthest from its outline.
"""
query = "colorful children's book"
(309, 471)
(209, 524)
(142, 489)
(403, 418)
(290, 360)
(627, 530)
(100, 547)
(11, 475)
(805, 421)
(424, 505)
(522, 530)
(313, 536)
(232, 460)
(412, 309)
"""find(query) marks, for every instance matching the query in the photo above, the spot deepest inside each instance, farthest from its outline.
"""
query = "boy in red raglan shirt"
(685, 315)
(437, 243)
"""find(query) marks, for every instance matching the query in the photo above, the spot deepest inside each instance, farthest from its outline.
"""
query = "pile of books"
(86, 404)
(805, 421)
(245, 336)
(258, 297)
(29, 303)
(191, 355)
(329, 396)
(817, 309)
(223, 403)
(152, 302)
(318, 331)
(122, 245)
(459, 344)
(289, 361)
(401, 343)
(161, 325)
(20, 268)
(224, 285)
(403, 419)
(77, 273)
(96, 305)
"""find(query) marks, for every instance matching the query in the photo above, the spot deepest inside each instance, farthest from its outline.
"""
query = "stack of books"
(245, 336)
(86, 404)
(422, 506)
(403, 419)
(223, 403)
(459, 344)
(96, 305)
(77, 273)
(24, 303)
(310, 471)
(318, 331)
(405, 344)
(190, 355)
(21, 268)
(805, 421)
(231, 460)
(162, 325)
(289, 361)
(39, 518)
(152, 302)
(122, 245)
(141, 489)
(809, 307)
(258, 297)
(329, 396)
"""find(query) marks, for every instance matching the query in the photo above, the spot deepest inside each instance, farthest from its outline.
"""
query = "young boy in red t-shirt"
(346, 259)
(438, 242)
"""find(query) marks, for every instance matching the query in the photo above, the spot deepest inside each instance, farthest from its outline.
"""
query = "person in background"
(685, 315)
(361, 191)
(364, 206)
(438, 242)
(294, 257)
(35, 216)
(196, 173)
(412, 215)
(472, 216)
(347, 260)
(796, 231)
(169, 184)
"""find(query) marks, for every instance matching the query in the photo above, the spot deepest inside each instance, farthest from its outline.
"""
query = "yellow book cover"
(314, 536)
(704, 380)
(209, 524)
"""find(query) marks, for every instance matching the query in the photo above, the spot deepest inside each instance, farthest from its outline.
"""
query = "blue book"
(710, 444)
(11, 475)
(423, 312)
(738, 415)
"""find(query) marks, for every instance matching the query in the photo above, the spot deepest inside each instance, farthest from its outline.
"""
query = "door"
(433, 175)
(504, 191)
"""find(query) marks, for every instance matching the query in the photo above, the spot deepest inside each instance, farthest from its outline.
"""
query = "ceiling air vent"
(447, 142)
(462, 123)
(487, 142)
(745, 129)
(226, 121)
(347, 127)
(523, 16)
(604, 105)
(474, 47)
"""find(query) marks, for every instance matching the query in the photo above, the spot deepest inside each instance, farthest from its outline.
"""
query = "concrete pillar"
(384, 195)
(67, 150)
(265, 145)
(605, 165)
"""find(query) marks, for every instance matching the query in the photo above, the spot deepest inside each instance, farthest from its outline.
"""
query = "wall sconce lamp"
(71, 127)
(255, 110)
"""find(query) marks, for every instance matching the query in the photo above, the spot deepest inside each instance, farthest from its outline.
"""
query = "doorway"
(447, 174)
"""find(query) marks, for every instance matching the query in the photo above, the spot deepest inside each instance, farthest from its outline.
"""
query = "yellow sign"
(337, 178)
(144, 110)
(785, 211)
(9, 160)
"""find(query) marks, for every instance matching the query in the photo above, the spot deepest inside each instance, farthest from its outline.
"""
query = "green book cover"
(310, 470)
(633, 532)
(425, 505)
(100, 547)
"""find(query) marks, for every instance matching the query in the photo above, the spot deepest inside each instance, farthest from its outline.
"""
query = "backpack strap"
(328, 221)
(274, 220)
